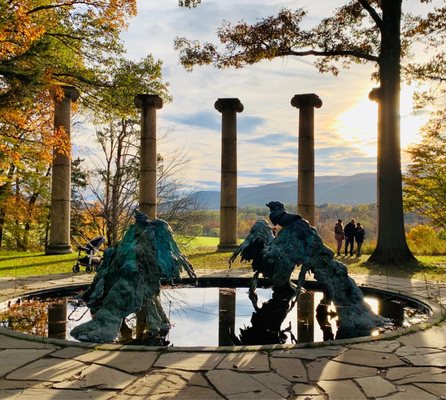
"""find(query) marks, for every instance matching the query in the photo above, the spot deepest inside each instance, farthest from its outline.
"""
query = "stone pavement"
(406, 367)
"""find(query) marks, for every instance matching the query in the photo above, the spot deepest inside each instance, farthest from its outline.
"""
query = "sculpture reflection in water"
(129, 281)
(298, 243)
(266, 321)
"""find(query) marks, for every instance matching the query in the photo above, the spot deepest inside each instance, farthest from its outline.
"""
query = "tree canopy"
(425, 181)
(44, 44)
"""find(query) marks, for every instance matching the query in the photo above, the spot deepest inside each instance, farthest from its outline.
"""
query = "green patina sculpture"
(129, 281)
(298, 243)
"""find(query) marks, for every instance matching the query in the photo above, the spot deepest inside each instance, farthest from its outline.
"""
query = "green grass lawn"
(25, 264)
(202, 254)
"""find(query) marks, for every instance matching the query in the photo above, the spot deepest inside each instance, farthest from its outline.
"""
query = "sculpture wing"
(290, 248)
(168, 256)
(251, 250)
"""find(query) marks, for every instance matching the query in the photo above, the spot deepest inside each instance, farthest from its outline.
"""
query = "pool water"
(212, 316)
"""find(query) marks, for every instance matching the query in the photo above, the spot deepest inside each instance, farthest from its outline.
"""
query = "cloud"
(273, 139)
(208, 185)
(267, 128)
(203, 119)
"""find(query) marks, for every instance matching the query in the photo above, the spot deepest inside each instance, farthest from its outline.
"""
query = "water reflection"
(268, 320)
(225, 316)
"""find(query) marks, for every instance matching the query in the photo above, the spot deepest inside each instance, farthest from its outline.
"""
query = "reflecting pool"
(212, 316)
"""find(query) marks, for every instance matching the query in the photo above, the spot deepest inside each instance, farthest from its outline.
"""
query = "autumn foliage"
(45, 44)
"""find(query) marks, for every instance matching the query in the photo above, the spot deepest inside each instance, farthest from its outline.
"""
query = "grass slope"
(202, 254)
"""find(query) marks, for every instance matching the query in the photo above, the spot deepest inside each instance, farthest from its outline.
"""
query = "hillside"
(355, 189)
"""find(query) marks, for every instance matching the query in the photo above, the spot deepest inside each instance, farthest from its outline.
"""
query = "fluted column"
(147, 176)
(228, 192)
(60, 242)
(305, 180)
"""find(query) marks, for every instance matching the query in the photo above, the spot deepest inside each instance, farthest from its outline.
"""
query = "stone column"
(305, 180)
(228, 192)
(147, 176)
(61, 177)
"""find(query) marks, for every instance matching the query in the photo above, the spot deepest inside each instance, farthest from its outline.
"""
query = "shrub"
(425, 240)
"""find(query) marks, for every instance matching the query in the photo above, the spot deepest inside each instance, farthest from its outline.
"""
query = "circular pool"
(218, 312)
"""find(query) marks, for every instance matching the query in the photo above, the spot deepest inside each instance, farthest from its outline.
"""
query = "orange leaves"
(18, 30)
(112, 14)
(61, 141)
(29, 317)
(27, 132)
(41, 40)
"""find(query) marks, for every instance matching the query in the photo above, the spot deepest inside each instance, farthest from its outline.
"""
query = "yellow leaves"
(117, 12)
(29, 317)
(61, 141)
(58, 93)
(27, 132)
(18, 30)
(24, 22)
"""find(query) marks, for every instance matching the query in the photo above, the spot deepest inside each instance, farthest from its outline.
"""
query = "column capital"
(70, 92)
(306, 100)
(142, 100)
(375, 94)
(231, 103)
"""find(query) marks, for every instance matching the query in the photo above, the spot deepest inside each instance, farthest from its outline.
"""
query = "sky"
(345, 125)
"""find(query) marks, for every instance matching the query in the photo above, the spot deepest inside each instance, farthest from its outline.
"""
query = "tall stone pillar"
(148, 104)
(60, 242)
(305, 180)
(228, 192)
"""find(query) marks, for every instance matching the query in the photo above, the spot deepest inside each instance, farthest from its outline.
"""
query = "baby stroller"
(92, 258)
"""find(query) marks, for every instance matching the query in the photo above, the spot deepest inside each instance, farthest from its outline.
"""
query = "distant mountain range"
(355, 189)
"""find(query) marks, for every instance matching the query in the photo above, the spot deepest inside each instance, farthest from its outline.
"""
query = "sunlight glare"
(358, 125)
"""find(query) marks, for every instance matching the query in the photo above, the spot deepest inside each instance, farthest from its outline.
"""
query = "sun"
(358, 125)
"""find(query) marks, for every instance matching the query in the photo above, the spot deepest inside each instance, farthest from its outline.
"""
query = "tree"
(425, 181)
(361, 31)
(24, 167)
(114, 183)
(44, 43)
(189, 3)
(113, 180)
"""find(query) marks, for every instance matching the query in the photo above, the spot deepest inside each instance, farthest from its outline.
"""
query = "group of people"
(351, 233)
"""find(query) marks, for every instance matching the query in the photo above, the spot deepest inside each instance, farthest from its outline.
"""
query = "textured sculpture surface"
(129, 281)
(298, 243)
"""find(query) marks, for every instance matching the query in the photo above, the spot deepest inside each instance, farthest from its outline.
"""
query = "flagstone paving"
(407, 367)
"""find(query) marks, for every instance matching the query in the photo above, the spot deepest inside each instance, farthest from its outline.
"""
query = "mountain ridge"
(332, 189)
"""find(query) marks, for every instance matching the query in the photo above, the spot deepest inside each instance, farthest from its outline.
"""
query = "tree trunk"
(116, 186)
(391, 247)
(5, 191)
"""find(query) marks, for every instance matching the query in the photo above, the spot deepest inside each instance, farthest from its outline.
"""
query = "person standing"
(359, 238)
(349, 233)
(339, 235)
